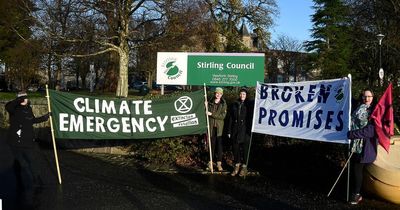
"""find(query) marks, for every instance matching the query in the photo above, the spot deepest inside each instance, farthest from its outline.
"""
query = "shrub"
(169, 151)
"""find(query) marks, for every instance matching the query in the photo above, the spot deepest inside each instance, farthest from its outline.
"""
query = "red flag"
(383, 118)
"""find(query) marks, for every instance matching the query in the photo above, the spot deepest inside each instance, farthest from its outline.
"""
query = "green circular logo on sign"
(171, 69)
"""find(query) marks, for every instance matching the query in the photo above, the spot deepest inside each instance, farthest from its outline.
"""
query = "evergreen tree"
(331, 38)
(15, 22)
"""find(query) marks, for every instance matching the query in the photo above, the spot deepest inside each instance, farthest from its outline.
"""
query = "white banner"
(313, 110)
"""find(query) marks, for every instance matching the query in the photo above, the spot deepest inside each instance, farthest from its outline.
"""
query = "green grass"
(11, 95)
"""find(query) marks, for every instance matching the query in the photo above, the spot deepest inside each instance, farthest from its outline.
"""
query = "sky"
(294, 19)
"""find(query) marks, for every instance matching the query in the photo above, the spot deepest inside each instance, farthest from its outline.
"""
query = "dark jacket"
(240, 121)
(20, 133)
(367, 133)
(218, 111)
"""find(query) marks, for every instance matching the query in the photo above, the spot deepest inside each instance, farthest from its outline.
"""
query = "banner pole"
(208, 129)
(248, 151)
(52, 136)
(349, 151)
(349, 147)
(252, 124)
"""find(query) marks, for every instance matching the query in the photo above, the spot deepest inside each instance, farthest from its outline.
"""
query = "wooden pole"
(208, 129)
(344, 167)
(248, 151)
(52, 136)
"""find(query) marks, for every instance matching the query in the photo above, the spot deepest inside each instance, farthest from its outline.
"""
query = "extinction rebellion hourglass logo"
(171, 69)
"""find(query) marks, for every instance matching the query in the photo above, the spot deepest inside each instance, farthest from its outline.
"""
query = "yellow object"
(382, 178)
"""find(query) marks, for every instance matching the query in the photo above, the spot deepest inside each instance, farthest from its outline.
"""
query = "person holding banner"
(364, 143)
(20, 137)
(239, 131)
(217, 109)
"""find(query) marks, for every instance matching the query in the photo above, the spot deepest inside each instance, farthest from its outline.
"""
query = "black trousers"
(240, 151)
(216, 141)
(26, 172)
(357, 176)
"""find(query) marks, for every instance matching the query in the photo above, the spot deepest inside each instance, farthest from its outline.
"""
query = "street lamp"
(381, 72)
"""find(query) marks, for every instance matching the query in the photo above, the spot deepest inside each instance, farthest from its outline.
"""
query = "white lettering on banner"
(112, 128)
(137, 125)
(151, 129)
(162, 122)
(125, 124)
(77, 103)
(89, 123)
(124, 107)
(78, 123)
(109, 107)
(63, 121)
(100, 125)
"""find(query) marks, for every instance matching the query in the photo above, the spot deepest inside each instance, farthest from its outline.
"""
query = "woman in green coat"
(216, 114)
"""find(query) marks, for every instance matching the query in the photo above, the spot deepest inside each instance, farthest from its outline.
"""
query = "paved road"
(90, 183)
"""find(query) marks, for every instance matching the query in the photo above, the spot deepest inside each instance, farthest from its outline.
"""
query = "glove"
(229, 135)
(209, 113)
(46, 116)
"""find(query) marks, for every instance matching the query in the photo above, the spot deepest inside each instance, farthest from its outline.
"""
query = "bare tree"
(118, 26)
(228, 15)
(188, 28)
(288, 54)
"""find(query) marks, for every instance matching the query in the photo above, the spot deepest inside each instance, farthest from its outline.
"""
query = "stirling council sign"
(214, 69)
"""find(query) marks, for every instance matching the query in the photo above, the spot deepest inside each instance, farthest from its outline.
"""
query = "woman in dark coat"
(239, 131)
(367, 156)
(20, 137)
(364, 142)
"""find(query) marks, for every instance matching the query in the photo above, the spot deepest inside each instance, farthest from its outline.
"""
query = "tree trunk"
(123, 51)
(49, 82)
(122, 88)
(58, 74)
(111, 69)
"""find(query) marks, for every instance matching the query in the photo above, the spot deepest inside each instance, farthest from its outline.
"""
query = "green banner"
(86, 117)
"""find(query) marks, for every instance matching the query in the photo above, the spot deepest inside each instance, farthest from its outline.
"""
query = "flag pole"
(52, 136)
(208, 128)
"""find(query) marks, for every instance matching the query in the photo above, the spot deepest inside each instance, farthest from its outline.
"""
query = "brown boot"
(209, 166)
(236, 170)
(243, 172)
(219, 166)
